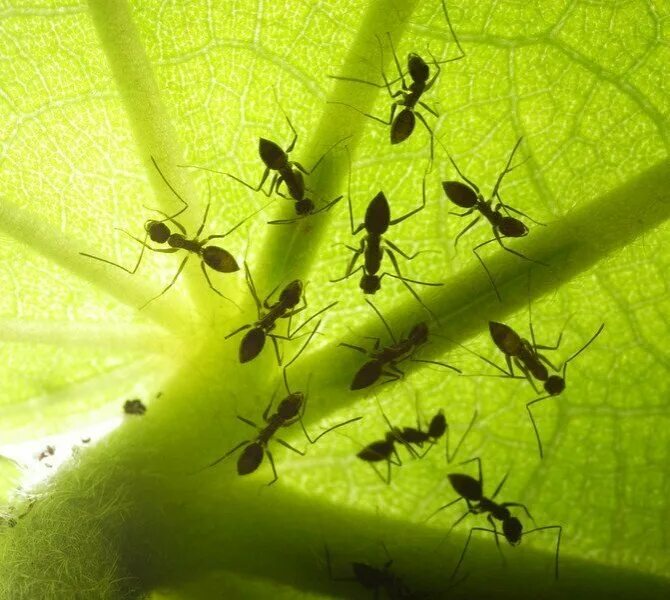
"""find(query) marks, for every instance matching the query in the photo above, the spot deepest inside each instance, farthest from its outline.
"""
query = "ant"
(373, 246)
(472, 491)
(375, 579)
(503, 225)
(134, 407)
(402, 124)
(532, 363)
(289, 411)
(390, 356)
(287, 171)
(159, 232)
(284, 308)
(407, 436)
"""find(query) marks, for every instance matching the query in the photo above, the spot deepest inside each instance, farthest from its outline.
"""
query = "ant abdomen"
(252, 344)
(272, 155)
(403, 126)
(369, 373)
(219, 259)
(511, 227)
(250, 459)
(437, 426)
(507, 340)
(466, 486)
(460, 194)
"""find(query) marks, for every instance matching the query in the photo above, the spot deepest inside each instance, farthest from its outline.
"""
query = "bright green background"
(83, 103)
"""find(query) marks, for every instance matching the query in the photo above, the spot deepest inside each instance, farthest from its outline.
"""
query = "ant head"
(466, 487)
(460, 194)
(290, 295)
(512, 528)
(250, 459)
(219, 259)
(252, 344)
(554, 385)
(507, 340)
(419, 334)
(304, 207)
(158, 231)
(417, 67)
(366, 375)
(511, 227)
(437, 426)
(272, 155)
(402, 126)
(289, 407)
(370, 283)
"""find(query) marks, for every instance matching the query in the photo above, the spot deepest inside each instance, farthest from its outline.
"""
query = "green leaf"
(90, 93)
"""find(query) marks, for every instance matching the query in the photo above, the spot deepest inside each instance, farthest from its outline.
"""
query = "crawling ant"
(287, 171)
(385, 450)
(503, 225)
(375, 579)
(159, 232)
(524, 354)
(388, 357)
(134, 407)
(373, 246)
(289, 411)
(284, 308)
(408, 96)
(472, 491)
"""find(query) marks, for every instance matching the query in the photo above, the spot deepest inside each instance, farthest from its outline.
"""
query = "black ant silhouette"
(472, 491)
(375, 579)
(524, 354)
(289, 411)
(373, 246)
(403, 123)
(159, 232)
(284, 308)
(503, 226)
(287, 171)
(385, 450)
(134, 407)
(390, 356)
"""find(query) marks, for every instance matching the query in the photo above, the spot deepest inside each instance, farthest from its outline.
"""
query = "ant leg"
(272, 464)
(435, 362)
(488, 274)
(509, 209)
(231, 334)
(358, 110)
(357, 348)
(252, 289)
(467, 543)
(247, 421)
(137, 264)
(432, 111)
(328, 206)
(170, 218)
(349, 274)
(532, 420)
(395, 59)
(430, 132)
(545, 360)
(415, 210)
(287, 445)
(464, 214)
(500, 486)
(302, 349)
(558, 541)
(467, 227)
(453, 33)
(169, 285)
(525, 508)
(209, 282)
(227, 454)
(584, 347)
(407, 281)
(144, 243)
(489, 518)
(404, 254)
(257, 188)
(316, 314)
(381, 318)
(354, 259)
(499, 239)
(223, 235)
(276, 348)
(447, 505)
(506, 169)
(318, 437)
(460, 442)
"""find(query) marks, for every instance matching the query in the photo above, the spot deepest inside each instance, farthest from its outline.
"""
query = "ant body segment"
(284, 308)
(375, 579)
(503, 225)
(373, 245)
(289, 411)
(472, 491)
(409, 95)
(524, 354)
(390, 356)
(159, 232)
